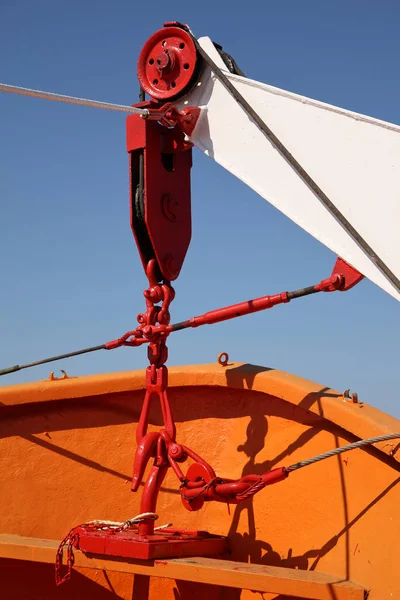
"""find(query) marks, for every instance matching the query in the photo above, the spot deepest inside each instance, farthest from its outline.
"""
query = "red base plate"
(168, 543)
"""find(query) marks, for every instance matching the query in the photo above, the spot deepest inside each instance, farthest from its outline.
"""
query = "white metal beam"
(353, 158)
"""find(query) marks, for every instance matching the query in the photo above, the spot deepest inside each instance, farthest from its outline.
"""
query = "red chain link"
(150, 329)
(70, 541)
(156, 315)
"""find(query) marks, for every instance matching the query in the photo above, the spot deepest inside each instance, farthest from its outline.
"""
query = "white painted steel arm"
(353, 158)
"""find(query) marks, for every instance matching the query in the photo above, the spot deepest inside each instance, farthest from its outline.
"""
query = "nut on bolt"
(147, 330)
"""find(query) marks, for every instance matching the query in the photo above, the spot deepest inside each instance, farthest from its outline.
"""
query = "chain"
(157, 373)
(156, 380)
(156, 315)
(70, 541)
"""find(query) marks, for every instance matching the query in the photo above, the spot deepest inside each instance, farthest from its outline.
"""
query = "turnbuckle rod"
(257, 304)
(148, 333)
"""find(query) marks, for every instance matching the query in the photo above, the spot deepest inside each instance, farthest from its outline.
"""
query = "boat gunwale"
(358, 418)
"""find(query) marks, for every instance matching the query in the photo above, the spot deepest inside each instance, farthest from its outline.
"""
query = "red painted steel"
(238, 310)
(343, 278)
(167, 63)
(200, 486)
(200, 483)
(167, 543)
(350, 274)
(161, 160)
(167, 159)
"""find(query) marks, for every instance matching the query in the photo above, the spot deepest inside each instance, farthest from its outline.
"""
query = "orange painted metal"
(66, 458)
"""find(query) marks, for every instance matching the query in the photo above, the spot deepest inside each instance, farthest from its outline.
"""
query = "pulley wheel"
(167, 64)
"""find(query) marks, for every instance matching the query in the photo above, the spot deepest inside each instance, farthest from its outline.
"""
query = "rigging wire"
(22, 91)
(135, 338)
(16, 368)
(359, 444)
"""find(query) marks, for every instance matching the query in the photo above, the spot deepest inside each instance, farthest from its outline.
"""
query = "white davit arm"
(354, 159)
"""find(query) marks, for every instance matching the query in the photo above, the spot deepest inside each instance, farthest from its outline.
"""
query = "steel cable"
(359, 444)
(22, 91)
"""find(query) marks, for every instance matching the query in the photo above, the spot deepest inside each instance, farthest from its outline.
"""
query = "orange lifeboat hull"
(66, 454)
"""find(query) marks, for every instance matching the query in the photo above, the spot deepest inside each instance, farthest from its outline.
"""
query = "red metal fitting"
(186, 118)
(130, 338)
(144, 451)
(201, 485)
(113, 344)
(343, 278)
(175, 451)
(161, 380)
(331, 284)
(167, 64)
(349, 274)
(275, 476)
(237, 310)
(176, 24)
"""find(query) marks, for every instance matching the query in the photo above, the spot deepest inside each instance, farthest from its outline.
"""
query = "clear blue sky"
(71, 276)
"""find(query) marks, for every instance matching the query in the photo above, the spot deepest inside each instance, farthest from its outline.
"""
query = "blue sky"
(71, 276)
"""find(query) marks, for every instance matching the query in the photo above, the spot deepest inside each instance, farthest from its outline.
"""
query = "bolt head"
(175, 451)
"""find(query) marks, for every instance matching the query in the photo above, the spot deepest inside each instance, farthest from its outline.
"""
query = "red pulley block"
(167, 63)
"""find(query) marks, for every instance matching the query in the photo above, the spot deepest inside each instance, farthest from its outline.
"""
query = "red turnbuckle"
(343, 278)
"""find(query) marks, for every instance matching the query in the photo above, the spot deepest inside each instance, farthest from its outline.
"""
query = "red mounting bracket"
(164, 543)
(350, 275)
